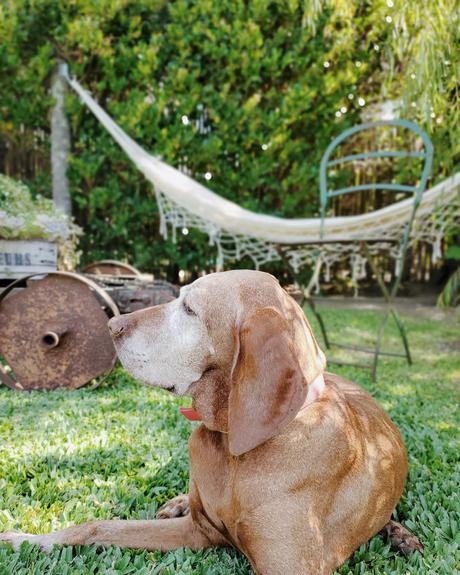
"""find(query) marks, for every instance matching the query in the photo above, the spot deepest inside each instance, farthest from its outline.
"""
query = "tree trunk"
(60, 145)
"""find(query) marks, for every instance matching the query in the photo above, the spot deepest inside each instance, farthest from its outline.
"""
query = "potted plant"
(34, 235)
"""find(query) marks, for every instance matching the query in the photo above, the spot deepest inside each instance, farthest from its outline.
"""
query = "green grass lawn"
(121, 451)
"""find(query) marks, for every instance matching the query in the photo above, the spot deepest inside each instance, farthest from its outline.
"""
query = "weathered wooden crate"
(19, 258)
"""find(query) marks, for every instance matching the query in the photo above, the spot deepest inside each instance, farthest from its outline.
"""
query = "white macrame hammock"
(236, 232)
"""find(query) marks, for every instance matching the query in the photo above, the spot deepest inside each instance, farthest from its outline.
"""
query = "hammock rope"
(236, 232)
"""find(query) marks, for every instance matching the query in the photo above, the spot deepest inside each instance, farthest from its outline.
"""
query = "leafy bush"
(450, 295)
(249, 92)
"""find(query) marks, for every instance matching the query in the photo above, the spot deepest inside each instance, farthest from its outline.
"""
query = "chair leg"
(390, 311)
(306, 294)
(389, 296)
(378, 345)
(319, 317)
(403, 334)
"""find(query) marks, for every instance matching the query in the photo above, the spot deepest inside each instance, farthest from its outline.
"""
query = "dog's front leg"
(162, 535)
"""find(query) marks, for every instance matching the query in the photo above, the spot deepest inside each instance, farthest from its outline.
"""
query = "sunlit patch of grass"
(387, 404)
(401, 389)
(121, 451)
(454, 375)
(352, 333)
(443, 426)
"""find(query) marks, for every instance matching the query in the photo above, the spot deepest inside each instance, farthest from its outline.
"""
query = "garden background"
(246, 96)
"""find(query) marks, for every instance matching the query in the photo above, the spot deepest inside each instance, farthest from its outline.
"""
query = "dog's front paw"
(177, 507)
(16, 538)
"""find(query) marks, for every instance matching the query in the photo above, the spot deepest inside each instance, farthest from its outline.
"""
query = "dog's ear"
(269, 386)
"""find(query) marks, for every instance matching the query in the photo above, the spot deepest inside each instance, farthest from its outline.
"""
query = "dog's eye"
(188, 309)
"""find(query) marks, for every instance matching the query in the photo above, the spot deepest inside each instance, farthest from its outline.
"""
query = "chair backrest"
(326, 163)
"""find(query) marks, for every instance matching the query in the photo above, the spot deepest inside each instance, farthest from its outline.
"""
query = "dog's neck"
(315, 391)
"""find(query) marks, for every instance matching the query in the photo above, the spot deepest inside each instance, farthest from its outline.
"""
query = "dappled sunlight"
(355, 332)
(121, 451)
(444, 426)
(419, 376)
(453, 375)
(428, 355)
(311, 140)
(75, 456)
(401, 389)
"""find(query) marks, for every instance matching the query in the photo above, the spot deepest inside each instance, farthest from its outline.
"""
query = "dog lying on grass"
(293, 466)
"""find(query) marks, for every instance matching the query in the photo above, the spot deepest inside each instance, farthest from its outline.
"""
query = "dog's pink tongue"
(190, 413)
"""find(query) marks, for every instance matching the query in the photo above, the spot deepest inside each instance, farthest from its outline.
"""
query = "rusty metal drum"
(53, 332)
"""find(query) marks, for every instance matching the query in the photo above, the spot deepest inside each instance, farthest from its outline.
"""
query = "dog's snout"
(124, 325)
(117, 326)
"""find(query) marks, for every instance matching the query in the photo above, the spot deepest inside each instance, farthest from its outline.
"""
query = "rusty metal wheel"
(53, 333)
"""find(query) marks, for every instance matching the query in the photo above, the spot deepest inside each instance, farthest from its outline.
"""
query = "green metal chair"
(327, 193)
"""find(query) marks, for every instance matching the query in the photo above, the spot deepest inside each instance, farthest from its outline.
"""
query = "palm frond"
(450, 295)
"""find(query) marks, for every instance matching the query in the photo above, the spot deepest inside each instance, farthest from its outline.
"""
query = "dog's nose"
(117, 326)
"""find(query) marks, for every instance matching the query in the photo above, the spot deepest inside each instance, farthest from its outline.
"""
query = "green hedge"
(263, 78)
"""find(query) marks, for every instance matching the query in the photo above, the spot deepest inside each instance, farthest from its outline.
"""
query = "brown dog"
(294, 468)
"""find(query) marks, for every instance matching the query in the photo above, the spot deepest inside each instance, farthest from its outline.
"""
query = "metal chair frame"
(326, 194)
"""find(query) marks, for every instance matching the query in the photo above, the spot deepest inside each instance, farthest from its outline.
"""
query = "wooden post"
(60, 143)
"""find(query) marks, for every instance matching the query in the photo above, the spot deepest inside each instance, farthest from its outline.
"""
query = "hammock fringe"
(237, 233)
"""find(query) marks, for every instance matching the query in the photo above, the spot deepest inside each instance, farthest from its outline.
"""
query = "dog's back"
(368, 493)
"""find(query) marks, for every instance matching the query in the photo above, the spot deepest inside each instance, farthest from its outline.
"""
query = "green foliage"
(24, 217)
(450, 295)
(259, 84)
(121, 451)
(453, 252)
